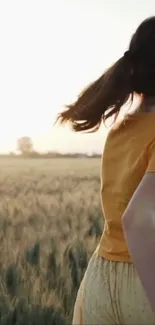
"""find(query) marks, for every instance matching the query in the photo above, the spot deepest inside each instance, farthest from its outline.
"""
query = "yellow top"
(129, 153)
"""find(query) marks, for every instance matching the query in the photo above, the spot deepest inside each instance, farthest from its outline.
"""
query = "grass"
(50, 224)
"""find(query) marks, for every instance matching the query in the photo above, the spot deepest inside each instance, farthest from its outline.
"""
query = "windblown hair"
(133, 73)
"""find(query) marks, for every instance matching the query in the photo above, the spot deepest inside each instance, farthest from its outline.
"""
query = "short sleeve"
(151, 159)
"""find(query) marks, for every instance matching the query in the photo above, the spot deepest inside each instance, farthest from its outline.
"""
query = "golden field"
(50, 224)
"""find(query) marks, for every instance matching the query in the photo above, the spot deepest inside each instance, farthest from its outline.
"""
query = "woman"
(119, 284)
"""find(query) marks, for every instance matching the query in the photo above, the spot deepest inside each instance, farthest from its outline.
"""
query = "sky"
(49, 51)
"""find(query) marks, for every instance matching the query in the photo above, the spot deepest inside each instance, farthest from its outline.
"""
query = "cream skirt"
(111, 293)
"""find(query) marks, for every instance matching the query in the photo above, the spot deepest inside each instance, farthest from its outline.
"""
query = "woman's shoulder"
(139, 119)
(133, 129)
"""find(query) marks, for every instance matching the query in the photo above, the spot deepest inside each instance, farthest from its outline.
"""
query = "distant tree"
(25, 145)
(12, 154)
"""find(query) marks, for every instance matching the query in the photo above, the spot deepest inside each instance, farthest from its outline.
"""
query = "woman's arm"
(139, 230)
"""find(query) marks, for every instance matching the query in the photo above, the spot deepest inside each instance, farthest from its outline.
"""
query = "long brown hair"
(133, 73)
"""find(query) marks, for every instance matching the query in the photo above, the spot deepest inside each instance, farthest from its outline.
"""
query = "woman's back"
(112, 289)
(125, 160)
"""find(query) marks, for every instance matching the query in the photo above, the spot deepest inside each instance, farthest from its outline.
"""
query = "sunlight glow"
(50, 50)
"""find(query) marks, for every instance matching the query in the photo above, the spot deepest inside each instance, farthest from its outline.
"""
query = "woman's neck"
(147, 105)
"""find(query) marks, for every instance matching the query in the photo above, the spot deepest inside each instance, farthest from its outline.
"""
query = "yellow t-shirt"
(129, 153)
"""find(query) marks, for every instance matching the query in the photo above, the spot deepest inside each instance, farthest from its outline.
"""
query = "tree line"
(25, 149)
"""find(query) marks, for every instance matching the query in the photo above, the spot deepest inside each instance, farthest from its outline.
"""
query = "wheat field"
(50, 224)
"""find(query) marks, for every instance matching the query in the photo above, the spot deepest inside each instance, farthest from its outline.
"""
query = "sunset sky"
(49, 50)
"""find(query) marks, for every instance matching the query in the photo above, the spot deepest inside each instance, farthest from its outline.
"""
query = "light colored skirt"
(111, 293)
